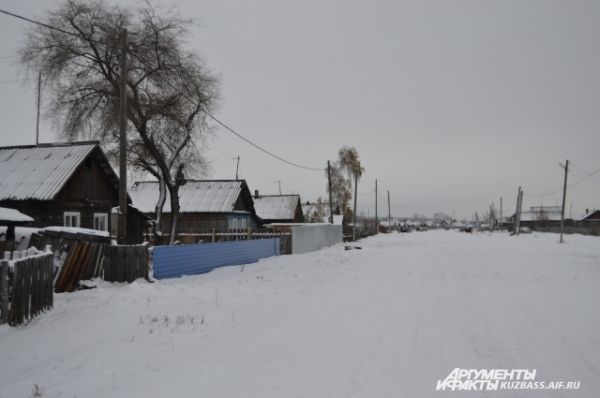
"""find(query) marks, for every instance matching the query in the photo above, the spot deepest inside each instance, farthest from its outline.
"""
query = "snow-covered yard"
(386, 321)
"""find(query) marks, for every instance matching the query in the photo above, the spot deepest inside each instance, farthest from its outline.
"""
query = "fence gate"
(126, 263)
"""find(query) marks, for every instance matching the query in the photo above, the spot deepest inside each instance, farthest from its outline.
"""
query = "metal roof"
(39, 172)
(276, 207)
(194, 197)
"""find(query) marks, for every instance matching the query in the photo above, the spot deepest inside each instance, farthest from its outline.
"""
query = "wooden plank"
(15, 305)
(35, 288)
(50, 284)
(113, 263)
(106, 265)
(131, 259)
(4, 291)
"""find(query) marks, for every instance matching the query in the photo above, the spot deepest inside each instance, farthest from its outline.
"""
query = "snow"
(75, 230)
(7, 214)
(385, 321)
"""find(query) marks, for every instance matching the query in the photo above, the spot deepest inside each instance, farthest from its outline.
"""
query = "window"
(72, 219)
(243, 224)
(101, 221)
(233, 224)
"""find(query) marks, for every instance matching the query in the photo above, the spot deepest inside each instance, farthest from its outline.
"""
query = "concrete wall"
(311, 237)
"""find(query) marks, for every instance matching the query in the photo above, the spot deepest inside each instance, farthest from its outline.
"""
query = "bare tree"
(340, 189)
(168, 87)
(350, 163)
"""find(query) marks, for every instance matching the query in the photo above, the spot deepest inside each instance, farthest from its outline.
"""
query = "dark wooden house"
(62, 184)
(275, 209)
(222, 205)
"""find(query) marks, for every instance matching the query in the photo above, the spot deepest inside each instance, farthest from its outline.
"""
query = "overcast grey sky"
(450, 104)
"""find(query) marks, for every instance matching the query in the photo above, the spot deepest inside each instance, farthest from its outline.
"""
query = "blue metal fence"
(176, 261)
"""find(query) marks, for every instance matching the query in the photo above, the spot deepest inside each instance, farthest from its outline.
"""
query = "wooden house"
(590, 217)
(278, 208)
(222, 205)
(60, 184)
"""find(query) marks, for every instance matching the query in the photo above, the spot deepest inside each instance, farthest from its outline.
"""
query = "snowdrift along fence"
(176, 261)
(26, 286)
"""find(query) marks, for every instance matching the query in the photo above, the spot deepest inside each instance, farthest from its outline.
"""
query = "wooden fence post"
(214, 236)
(4, 291)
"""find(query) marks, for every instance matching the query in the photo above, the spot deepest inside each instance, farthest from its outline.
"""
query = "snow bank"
(388, 320)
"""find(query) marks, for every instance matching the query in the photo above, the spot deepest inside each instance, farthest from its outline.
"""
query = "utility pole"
(376, 219)
(354, 212)
(330, 200)
(39, 100)
(237, 167)
(518, 211)
(122, 237)
(389, 212)
(562, 212)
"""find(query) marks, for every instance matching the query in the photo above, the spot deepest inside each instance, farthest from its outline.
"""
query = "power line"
(585, 172)
(231, 130)
(13, 81)
(37, 22)
(588, 175)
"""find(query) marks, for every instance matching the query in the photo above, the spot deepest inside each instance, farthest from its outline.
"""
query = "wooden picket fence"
(126, 263)
(26, 286)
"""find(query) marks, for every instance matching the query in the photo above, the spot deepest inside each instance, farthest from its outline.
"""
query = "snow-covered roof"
(217, 196)
(588, 214)
(276, 207)
(39, 171)
(12, 215)
(75, 230)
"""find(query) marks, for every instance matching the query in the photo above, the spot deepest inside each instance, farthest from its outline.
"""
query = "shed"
(279, 208)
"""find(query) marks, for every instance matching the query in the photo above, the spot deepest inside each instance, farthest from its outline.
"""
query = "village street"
(389, 320)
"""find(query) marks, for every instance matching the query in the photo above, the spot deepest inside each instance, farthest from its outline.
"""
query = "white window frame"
(243, 224)
(104, 218)
(70, 216)
(233, 224)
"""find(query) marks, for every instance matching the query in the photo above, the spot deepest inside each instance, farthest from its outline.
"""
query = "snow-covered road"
(386, 321)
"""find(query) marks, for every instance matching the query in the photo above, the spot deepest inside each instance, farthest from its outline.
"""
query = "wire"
(231, 130)
(588, 175)
(585, 172)
(13, 81)
(37, 22)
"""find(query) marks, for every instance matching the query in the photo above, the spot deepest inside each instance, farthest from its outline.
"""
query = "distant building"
(278, 208)
(223, 205)
(541, 216)
(590, 217)
(61, 184)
